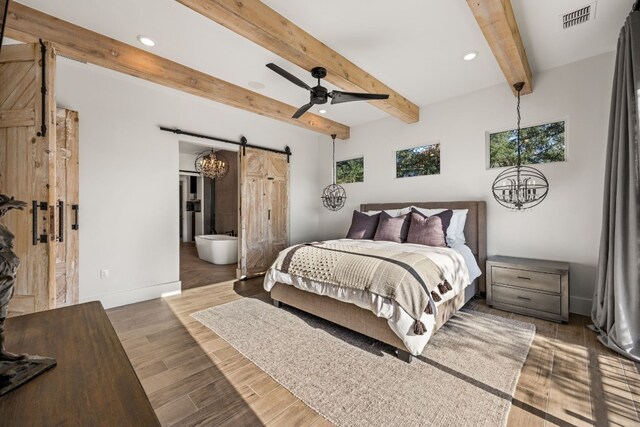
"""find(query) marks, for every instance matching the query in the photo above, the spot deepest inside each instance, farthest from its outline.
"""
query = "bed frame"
(364, 321)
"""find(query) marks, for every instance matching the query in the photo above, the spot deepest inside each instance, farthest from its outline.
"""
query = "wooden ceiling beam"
(500, 28)
(264, 26)
(28, 25)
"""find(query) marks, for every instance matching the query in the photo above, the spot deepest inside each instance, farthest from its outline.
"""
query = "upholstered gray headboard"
(475, 230)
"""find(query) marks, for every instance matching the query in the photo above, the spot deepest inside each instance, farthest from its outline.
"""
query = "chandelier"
(334, 196)
(520, 187)
(212, 165)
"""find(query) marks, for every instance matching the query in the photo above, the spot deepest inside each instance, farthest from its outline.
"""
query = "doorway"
(208, 219)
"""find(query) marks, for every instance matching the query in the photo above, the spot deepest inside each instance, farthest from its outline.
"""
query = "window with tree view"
(424, 160)
(539, 144)
(348, 171)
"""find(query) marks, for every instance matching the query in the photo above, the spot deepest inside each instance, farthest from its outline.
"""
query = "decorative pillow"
(392, 228)
(455, 232)
(429, 230)
(363, 226)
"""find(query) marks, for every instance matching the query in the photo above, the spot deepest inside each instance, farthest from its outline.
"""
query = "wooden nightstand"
(533, 287)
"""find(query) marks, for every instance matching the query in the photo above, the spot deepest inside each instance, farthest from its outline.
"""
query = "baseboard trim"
(580, 305)
(130, 296)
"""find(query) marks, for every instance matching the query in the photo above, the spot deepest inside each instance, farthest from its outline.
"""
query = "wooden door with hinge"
(67, 207)
(27, 168)
(277, 194)
(264, 209)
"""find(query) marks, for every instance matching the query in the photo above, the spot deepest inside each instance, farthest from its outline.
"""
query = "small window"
(423, 160)
(349, 171)
(540, 144)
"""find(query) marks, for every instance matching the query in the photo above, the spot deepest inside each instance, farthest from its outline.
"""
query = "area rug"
(465, 377)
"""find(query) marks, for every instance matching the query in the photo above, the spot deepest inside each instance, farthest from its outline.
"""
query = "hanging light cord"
(518, 132)
(334, 157)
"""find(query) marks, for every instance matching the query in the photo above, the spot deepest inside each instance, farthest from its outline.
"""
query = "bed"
(383, 325)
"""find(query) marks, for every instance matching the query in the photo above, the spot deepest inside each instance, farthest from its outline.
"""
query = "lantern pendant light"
(334, 196)
(520, 187)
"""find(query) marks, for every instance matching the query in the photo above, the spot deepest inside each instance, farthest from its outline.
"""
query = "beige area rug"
(465, 377)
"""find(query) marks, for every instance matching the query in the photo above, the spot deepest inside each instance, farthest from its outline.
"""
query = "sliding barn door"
(264, 209)
(67, 188)
(277, 194)
(27, 171)
(254, 232)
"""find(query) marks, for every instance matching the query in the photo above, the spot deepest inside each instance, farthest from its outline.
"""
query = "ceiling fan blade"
(338, 97)
(302, 110)
(287, 75)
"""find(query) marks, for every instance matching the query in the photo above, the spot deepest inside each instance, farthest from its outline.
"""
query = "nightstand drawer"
(526, 299)
(548, 282)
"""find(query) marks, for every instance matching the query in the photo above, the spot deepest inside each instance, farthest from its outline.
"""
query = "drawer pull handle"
(524, 278)
(524, 298)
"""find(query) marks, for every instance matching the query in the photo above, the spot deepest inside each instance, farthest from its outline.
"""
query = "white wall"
(566, 226)
(187, 161)
(129, 176)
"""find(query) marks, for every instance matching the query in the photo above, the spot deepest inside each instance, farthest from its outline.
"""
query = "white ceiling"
(415, 47)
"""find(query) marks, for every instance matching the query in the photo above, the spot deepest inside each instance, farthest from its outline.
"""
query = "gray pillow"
(392, 229)
(429, 231)
(363, 226)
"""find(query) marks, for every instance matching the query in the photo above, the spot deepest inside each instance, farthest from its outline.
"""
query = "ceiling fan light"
(320, 94)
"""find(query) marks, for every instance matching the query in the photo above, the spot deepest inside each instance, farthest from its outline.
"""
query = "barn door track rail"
(242, 143)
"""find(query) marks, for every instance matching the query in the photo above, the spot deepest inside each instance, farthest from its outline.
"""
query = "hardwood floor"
(195, 273)
(193, 377)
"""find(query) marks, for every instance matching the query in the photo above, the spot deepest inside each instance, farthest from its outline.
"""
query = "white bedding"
(457, 263)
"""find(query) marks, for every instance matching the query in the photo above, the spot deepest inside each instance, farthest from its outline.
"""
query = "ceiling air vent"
(578, 16)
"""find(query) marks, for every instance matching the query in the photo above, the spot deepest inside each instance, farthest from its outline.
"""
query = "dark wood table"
(93, 383)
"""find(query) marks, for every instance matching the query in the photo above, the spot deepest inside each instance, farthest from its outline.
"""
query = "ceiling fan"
(319, 94)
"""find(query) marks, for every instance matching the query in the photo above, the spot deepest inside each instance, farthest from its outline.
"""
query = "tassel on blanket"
(419, 328)
(435, 296)
(429, 309)
(448, 286)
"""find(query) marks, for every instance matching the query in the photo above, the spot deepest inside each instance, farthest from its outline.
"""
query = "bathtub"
(217, 248)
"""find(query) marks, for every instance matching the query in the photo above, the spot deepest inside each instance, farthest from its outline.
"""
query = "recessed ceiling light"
(470, 56)
(322, 111)
(256, 85)
(146, 41)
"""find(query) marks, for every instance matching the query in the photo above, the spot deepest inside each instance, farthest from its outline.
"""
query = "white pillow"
(392, 212)
(455, 232)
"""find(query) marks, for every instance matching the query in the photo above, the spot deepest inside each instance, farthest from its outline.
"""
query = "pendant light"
(520, 187)
(212, 165)
(334, 196)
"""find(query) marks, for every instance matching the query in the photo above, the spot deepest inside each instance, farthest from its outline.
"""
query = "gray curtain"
(616, 302)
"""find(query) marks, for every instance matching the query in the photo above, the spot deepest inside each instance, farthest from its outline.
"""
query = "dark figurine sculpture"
(15, 369)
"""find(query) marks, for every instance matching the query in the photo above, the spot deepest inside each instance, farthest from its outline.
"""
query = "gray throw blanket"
(412, 280)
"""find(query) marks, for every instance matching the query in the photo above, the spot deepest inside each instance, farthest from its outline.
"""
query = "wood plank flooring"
(193, 377)
(195, 272)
